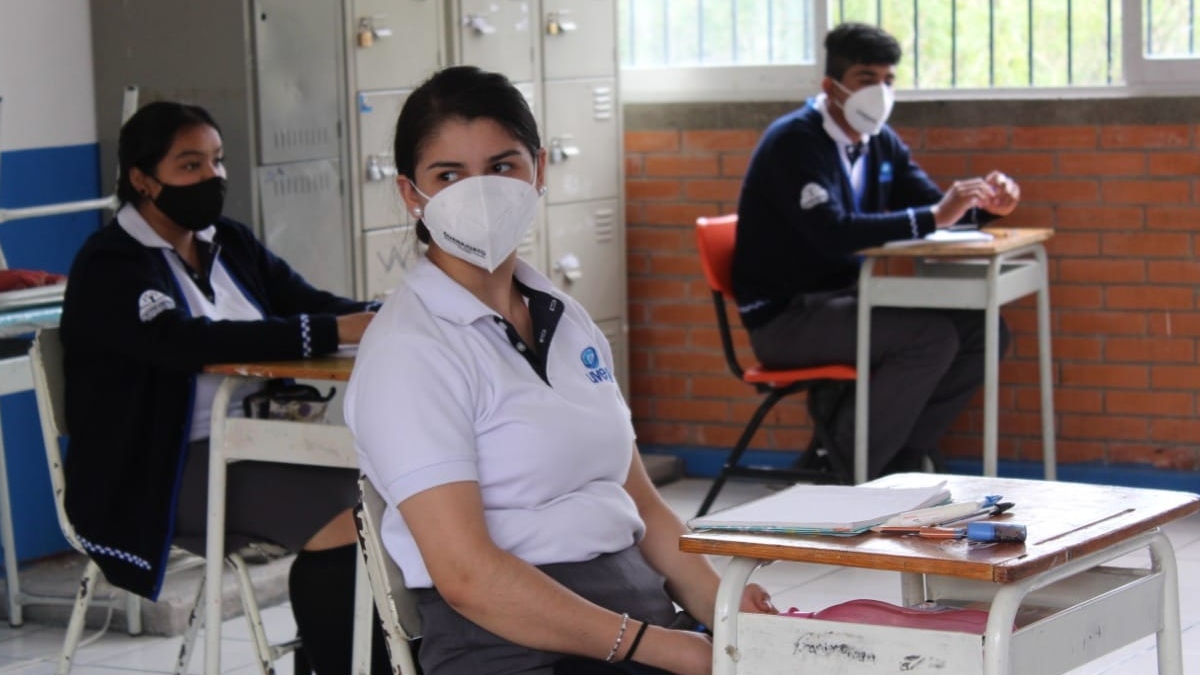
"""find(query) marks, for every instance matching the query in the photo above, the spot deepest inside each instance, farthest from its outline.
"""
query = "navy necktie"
(854, 151)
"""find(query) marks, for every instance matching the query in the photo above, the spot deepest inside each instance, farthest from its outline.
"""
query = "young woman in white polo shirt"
(484, 409)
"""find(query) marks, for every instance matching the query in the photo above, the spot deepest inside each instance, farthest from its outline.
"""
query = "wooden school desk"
(979, 275)
(236, 438)
(1070, 604)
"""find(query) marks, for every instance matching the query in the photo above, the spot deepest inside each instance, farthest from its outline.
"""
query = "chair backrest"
(46, 360)
(714, 238)
(396, 604)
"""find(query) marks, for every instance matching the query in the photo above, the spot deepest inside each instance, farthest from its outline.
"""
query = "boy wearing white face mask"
(826, 181)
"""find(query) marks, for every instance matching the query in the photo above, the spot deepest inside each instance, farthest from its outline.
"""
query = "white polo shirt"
(441, 394)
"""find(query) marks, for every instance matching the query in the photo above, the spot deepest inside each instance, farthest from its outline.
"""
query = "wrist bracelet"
(637, 639)
(620, 634)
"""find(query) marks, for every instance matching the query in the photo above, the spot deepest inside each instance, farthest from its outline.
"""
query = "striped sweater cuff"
(306, 336)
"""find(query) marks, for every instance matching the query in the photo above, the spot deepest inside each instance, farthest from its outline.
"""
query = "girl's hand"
(756, 599)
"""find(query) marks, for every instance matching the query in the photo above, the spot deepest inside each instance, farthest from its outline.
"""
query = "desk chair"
(397, 606)
(827, 386)
(48, 383)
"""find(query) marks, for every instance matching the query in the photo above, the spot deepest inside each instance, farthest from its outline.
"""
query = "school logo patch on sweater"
(152, 303)
(813, 195)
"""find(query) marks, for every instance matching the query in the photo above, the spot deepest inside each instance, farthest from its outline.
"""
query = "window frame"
(1144, 76)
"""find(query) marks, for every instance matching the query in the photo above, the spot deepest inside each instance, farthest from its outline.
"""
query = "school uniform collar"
(448, 300)
(835, 131)
(131, 220)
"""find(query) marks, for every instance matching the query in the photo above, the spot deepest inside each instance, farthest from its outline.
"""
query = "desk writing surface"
(335, 367)
(1064, 521)
(1005, 239)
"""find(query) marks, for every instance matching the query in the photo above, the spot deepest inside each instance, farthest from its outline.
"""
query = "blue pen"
(940, 514)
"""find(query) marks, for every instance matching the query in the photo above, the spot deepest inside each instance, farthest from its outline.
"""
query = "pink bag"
(929, 615)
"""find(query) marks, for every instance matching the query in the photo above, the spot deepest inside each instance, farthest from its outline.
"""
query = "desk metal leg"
(991, 370)
(9, 541)
(215, 550)
(729, 601)
(912, 589)
(997, 638)
(1045, 374)
(1170, 636)
(862, 363)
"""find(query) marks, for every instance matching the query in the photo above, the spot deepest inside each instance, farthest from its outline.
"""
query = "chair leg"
(300, 665)
(133, 614)
(195, 620)
(262, 648)
(83, 598)
(739, 449)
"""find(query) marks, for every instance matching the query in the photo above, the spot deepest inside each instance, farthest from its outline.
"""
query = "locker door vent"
(303, 137)
(528, 245)
(303, 185)
(602, 103)
(606, 223)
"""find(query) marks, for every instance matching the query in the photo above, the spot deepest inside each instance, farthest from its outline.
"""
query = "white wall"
(46, 74)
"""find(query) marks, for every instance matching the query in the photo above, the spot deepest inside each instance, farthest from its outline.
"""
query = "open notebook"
(943, 237)
(823, 509)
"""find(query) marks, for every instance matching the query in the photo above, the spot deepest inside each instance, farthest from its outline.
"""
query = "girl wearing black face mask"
(168, 287)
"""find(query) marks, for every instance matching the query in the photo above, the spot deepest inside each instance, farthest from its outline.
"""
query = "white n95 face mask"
(481, 219)
(868, 108)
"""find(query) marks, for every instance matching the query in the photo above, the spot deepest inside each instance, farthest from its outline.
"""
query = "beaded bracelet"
(637, 640)
(620, 635)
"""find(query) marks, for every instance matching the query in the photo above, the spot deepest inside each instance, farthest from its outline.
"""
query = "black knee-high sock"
(321, 586)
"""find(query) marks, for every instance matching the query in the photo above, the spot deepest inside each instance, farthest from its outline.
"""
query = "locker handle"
(479, 24)
(560, 152)
(369, 31)
(557, 24)
(570, 267)
(380, 167)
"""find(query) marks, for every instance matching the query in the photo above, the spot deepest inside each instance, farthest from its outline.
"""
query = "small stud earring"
(542, 190)
(416, 211)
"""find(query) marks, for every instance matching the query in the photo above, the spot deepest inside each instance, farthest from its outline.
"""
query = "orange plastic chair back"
(715, 238)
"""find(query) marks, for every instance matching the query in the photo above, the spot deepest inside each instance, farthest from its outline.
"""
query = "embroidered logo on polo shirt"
(151, 303)
(813, 195)
(591, 360)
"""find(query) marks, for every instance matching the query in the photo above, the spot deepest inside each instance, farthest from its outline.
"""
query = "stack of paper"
(823, 509)
(943, 237)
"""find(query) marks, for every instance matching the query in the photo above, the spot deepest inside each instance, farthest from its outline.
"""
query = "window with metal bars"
(948, 44)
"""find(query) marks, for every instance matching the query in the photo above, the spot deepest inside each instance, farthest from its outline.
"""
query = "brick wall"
(1121, 193)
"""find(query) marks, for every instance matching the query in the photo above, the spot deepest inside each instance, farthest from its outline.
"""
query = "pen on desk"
(940, 514)
(988, 512)
(975, 532)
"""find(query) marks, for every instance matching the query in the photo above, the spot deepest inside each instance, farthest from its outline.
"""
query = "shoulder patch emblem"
(813, 195)
(151, 303)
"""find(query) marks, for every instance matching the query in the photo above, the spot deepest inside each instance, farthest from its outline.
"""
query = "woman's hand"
(756, 599)
(351, 327)
(683, 652)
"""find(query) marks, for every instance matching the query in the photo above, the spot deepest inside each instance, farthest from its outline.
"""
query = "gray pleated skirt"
(284, 504)
(621, 582)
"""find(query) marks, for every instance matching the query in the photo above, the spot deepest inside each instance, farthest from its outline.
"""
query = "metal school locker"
(496, 35)
(582, 140)
(587, 255)
(395, 43)
(380, 203)
(579, 39)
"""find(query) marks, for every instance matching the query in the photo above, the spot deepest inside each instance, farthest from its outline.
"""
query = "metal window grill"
(947, 43)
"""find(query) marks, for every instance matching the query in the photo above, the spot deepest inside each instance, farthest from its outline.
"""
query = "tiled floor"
(32, 650)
